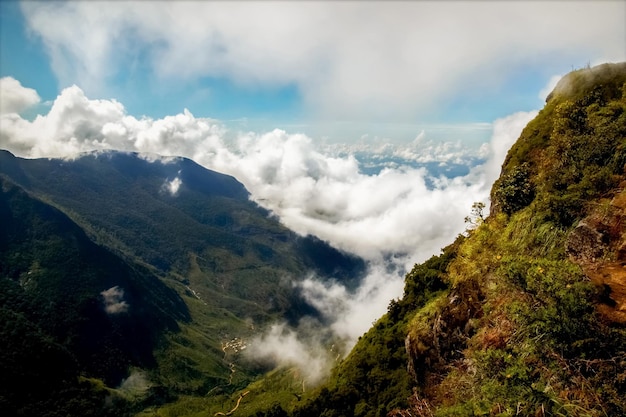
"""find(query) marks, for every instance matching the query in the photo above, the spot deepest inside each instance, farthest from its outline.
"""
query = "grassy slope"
(511, 323)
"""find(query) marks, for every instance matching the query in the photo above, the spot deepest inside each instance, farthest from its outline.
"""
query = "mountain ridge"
(227, 261)
(522, 314)
(216, 215)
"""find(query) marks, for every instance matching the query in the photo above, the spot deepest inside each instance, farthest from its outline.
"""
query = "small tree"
(477, 215)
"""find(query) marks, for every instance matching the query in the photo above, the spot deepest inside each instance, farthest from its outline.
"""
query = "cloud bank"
(303, 348)
(351, 60)
(399, 210)
(393, 218)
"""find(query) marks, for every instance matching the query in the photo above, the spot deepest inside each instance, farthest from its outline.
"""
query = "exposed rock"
(585, 243)
(431, 347)
(598, 245)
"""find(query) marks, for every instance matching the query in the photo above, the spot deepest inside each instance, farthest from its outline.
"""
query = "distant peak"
(579, 81)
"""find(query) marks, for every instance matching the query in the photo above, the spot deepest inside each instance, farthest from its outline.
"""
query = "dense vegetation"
(187, 272)
(55, 325)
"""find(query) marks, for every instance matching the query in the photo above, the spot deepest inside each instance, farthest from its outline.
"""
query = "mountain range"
(123, 262)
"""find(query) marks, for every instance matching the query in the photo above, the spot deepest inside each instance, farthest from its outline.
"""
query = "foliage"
(572, 152)
(513, 191)
(55, 326)
(477, 215)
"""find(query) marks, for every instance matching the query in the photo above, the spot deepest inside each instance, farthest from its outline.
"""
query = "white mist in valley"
(393, 218)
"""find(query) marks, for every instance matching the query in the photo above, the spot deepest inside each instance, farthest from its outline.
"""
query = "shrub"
(513, 191)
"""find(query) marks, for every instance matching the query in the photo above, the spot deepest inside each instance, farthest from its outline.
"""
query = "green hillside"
(207, 266)
(209, 236)
(525, 314)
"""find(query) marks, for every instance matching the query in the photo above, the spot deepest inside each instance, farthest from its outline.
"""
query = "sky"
(372, 125)
(336, 70)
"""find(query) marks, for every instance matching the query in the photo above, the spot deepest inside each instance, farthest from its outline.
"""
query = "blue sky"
(23, 55)
(335, 71)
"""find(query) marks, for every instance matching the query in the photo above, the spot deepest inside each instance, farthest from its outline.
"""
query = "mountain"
(170, 269)
(127, 270)
(525, 313)
(125, 202)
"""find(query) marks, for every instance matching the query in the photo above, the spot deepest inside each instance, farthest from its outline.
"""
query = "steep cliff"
(525, 314)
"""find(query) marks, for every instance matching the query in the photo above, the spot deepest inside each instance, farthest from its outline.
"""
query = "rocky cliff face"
(534, 319)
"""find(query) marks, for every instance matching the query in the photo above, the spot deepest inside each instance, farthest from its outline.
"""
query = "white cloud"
(113, 300)
(393, 213)
(136, 385)
(543, 94)
(505, 132)
(351, 313)
(313, 347)
(15, 98)
(347, 59)
(173, 186)
(302, 348)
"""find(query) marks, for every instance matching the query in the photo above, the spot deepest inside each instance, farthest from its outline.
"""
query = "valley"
(138, 285)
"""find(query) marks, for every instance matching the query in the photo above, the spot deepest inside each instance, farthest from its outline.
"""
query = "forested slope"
(142, 270)
(71, 309)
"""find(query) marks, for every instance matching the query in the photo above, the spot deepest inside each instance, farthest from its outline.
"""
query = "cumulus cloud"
(393, 218)
(73, 124)
(113, 300)
(347, 59)
(15, 98)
